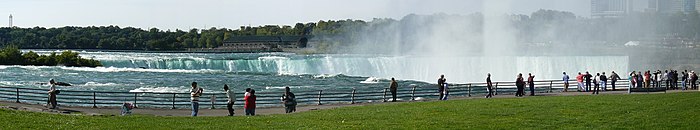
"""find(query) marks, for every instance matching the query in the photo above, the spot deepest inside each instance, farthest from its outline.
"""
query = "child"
(445, 92)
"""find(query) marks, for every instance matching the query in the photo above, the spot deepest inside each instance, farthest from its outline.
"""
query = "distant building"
(611, 8)
(259, 44)
(672, 6)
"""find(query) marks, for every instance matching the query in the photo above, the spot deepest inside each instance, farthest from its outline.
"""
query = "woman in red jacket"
(250, 103)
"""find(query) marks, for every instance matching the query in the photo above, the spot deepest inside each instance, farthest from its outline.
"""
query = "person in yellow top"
(393, 87)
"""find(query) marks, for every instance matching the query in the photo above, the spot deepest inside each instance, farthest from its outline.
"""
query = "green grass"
(639, 111)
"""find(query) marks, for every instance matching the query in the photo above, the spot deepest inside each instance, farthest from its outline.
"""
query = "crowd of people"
(667, 79)
(586, 82)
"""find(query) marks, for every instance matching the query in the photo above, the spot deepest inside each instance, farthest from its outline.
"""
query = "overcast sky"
(186, 14)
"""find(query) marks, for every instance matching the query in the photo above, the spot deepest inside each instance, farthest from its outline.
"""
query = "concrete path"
(205, 111)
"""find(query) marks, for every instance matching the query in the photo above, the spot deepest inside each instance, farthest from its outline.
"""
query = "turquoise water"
(173, 72)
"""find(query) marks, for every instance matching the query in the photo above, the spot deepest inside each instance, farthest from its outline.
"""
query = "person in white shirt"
(231, 96)
(194, 94)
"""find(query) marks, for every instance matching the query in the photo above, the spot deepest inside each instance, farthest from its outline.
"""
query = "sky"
(187, 14)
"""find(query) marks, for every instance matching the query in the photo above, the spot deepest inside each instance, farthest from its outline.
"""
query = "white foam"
(272, 58)
(290, 87)
(115, 69)
(323, 76)
(371, 80)
(96, 84)
(159, 89)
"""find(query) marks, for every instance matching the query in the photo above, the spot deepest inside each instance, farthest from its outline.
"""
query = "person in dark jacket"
(588, 77)
(441, 82)
(613, 78)
(520, 83)
(289, 100)
(489, 86)
(393, 88)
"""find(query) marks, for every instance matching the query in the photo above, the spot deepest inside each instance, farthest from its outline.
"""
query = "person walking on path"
(231, 96)
(249, 105)
(520, 83)
(51, 102)
(565, 78)
(596, 86)
(441, 81)
(613, 78)
(588, 77)
(393, 87)
(604, 82)
(195, 92)
(531, 82)
(489, 86)
(289, 100)
(579, 80)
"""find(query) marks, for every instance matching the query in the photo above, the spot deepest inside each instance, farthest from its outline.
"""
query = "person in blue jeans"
(194, 95)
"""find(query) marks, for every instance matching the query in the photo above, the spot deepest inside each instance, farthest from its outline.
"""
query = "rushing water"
(173, 72)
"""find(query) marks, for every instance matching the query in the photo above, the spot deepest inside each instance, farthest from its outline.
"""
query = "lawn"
(637, 111)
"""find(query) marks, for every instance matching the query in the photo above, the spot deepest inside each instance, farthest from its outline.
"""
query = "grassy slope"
(653, 111)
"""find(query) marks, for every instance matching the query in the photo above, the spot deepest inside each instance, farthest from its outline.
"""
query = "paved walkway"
(205, 111)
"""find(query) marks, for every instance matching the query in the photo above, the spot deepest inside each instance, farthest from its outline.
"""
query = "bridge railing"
(272, 99)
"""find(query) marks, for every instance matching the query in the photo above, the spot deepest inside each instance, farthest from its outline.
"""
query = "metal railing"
(272, 99)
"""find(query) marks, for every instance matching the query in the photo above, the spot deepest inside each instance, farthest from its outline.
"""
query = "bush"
(11, 55)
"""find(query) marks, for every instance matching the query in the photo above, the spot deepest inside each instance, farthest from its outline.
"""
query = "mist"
(545, 43)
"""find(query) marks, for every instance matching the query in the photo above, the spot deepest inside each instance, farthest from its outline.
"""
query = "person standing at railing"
(520, 84)
(393, 87)
(633, 80)
(52, 103)
(249, 105)
(684, 79)
(613, 78)
(195, 92)
(604, 82)
(289, 100)
(693, 80)
(579, 80)
(531, 82)
(596, 83)
(675, 79)
(588, 77)
(441, 81)
(640, 80)
(489, 86)
(445, 91)
(231, 96)
(565, 78)
(647, 79)
(665, 78)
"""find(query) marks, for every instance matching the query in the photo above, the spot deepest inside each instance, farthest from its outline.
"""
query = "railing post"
(17, 95)
(384, 97)
(413, 93)
(469, 90)
(319, 96)
(550, 86)
(495, 89)
(352, 98)
(173, 101)
(135, 95)
(94, 102)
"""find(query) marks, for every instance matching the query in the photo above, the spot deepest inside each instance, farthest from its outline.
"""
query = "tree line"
(540, 26)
